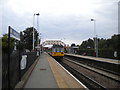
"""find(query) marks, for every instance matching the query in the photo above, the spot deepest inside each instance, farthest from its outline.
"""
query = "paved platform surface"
(49, 74)
(42, 76)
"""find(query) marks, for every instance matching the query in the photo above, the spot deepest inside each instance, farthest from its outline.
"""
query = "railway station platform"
(48, 73)
(114, 61)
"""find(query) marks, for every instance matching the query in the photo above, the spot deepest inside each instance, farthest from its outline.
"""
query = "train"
(56, 51)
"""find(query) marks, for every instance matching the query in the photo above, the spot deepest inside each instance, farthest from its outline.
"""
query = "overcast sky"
(66, 20)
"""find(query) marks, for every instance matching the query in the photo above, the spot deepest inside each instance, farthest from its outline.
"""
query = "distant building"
(74, 49)
(51, 42)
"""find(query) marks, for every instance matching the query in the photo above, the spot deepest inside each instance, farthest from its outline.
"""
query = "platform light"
(33, 29)
(95, 38)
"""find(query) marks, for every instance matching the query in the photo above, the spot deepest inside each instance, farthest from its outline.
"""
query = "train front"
(58, 51)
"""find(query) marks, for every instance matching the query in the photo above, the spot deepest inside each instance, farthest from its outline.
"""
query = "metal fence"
(15, 72)
(31, 57)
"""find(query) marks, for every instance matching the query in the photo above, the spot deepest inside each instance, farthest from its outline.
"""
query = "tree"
(27, 38)
(90, 43)
(5, 43)
(73, 44)
(115, 42)
(118, 49)
(87, 44)
(102, 44)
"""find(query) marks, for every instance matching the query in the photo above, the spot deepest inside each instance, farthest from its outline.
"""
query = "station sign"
(14, 34)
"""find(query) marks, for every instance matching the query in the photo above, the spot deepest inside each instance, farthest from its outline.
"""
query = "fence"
(15, 73)
(102, 53)
(31, 57)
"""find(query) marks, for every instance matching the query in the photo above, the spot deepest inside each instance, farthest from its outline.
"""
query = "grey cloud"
(10, 18)
(74, 28)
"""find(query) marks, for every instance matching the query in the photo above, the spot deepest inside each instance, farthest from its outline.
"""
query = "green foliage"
(5, 43)
(87, 44)
(73, 44)
(114, 41)
(27, 38)
(103, 44)
(106, 47)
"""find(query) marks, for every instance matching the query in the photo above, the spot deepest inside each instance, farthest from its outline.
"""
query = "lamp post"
(38, 27)
(33, 28)
(95, 39)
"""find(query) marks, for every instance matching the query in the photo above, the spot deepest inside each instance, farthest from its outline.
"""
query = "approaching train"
(56, 51)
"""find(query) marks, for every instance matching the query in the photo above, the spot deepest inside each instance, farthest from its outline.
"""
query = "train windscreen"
(58, 50)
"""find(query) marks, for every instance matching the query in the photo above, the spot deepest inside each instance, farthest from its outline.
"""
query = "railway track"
(103, 72)
(111, 68)
(93, 78)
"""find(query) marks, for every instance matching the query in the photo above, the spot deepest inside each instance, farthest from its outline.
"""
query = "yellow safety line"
(60, 81)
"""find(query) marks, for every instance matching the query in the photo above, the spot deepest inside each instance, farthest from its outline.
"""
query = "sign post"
(9, 57)
(15, 35)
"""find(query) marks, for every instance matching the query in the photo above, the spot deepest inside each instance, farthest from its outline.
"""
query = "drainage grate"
(43, 69)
